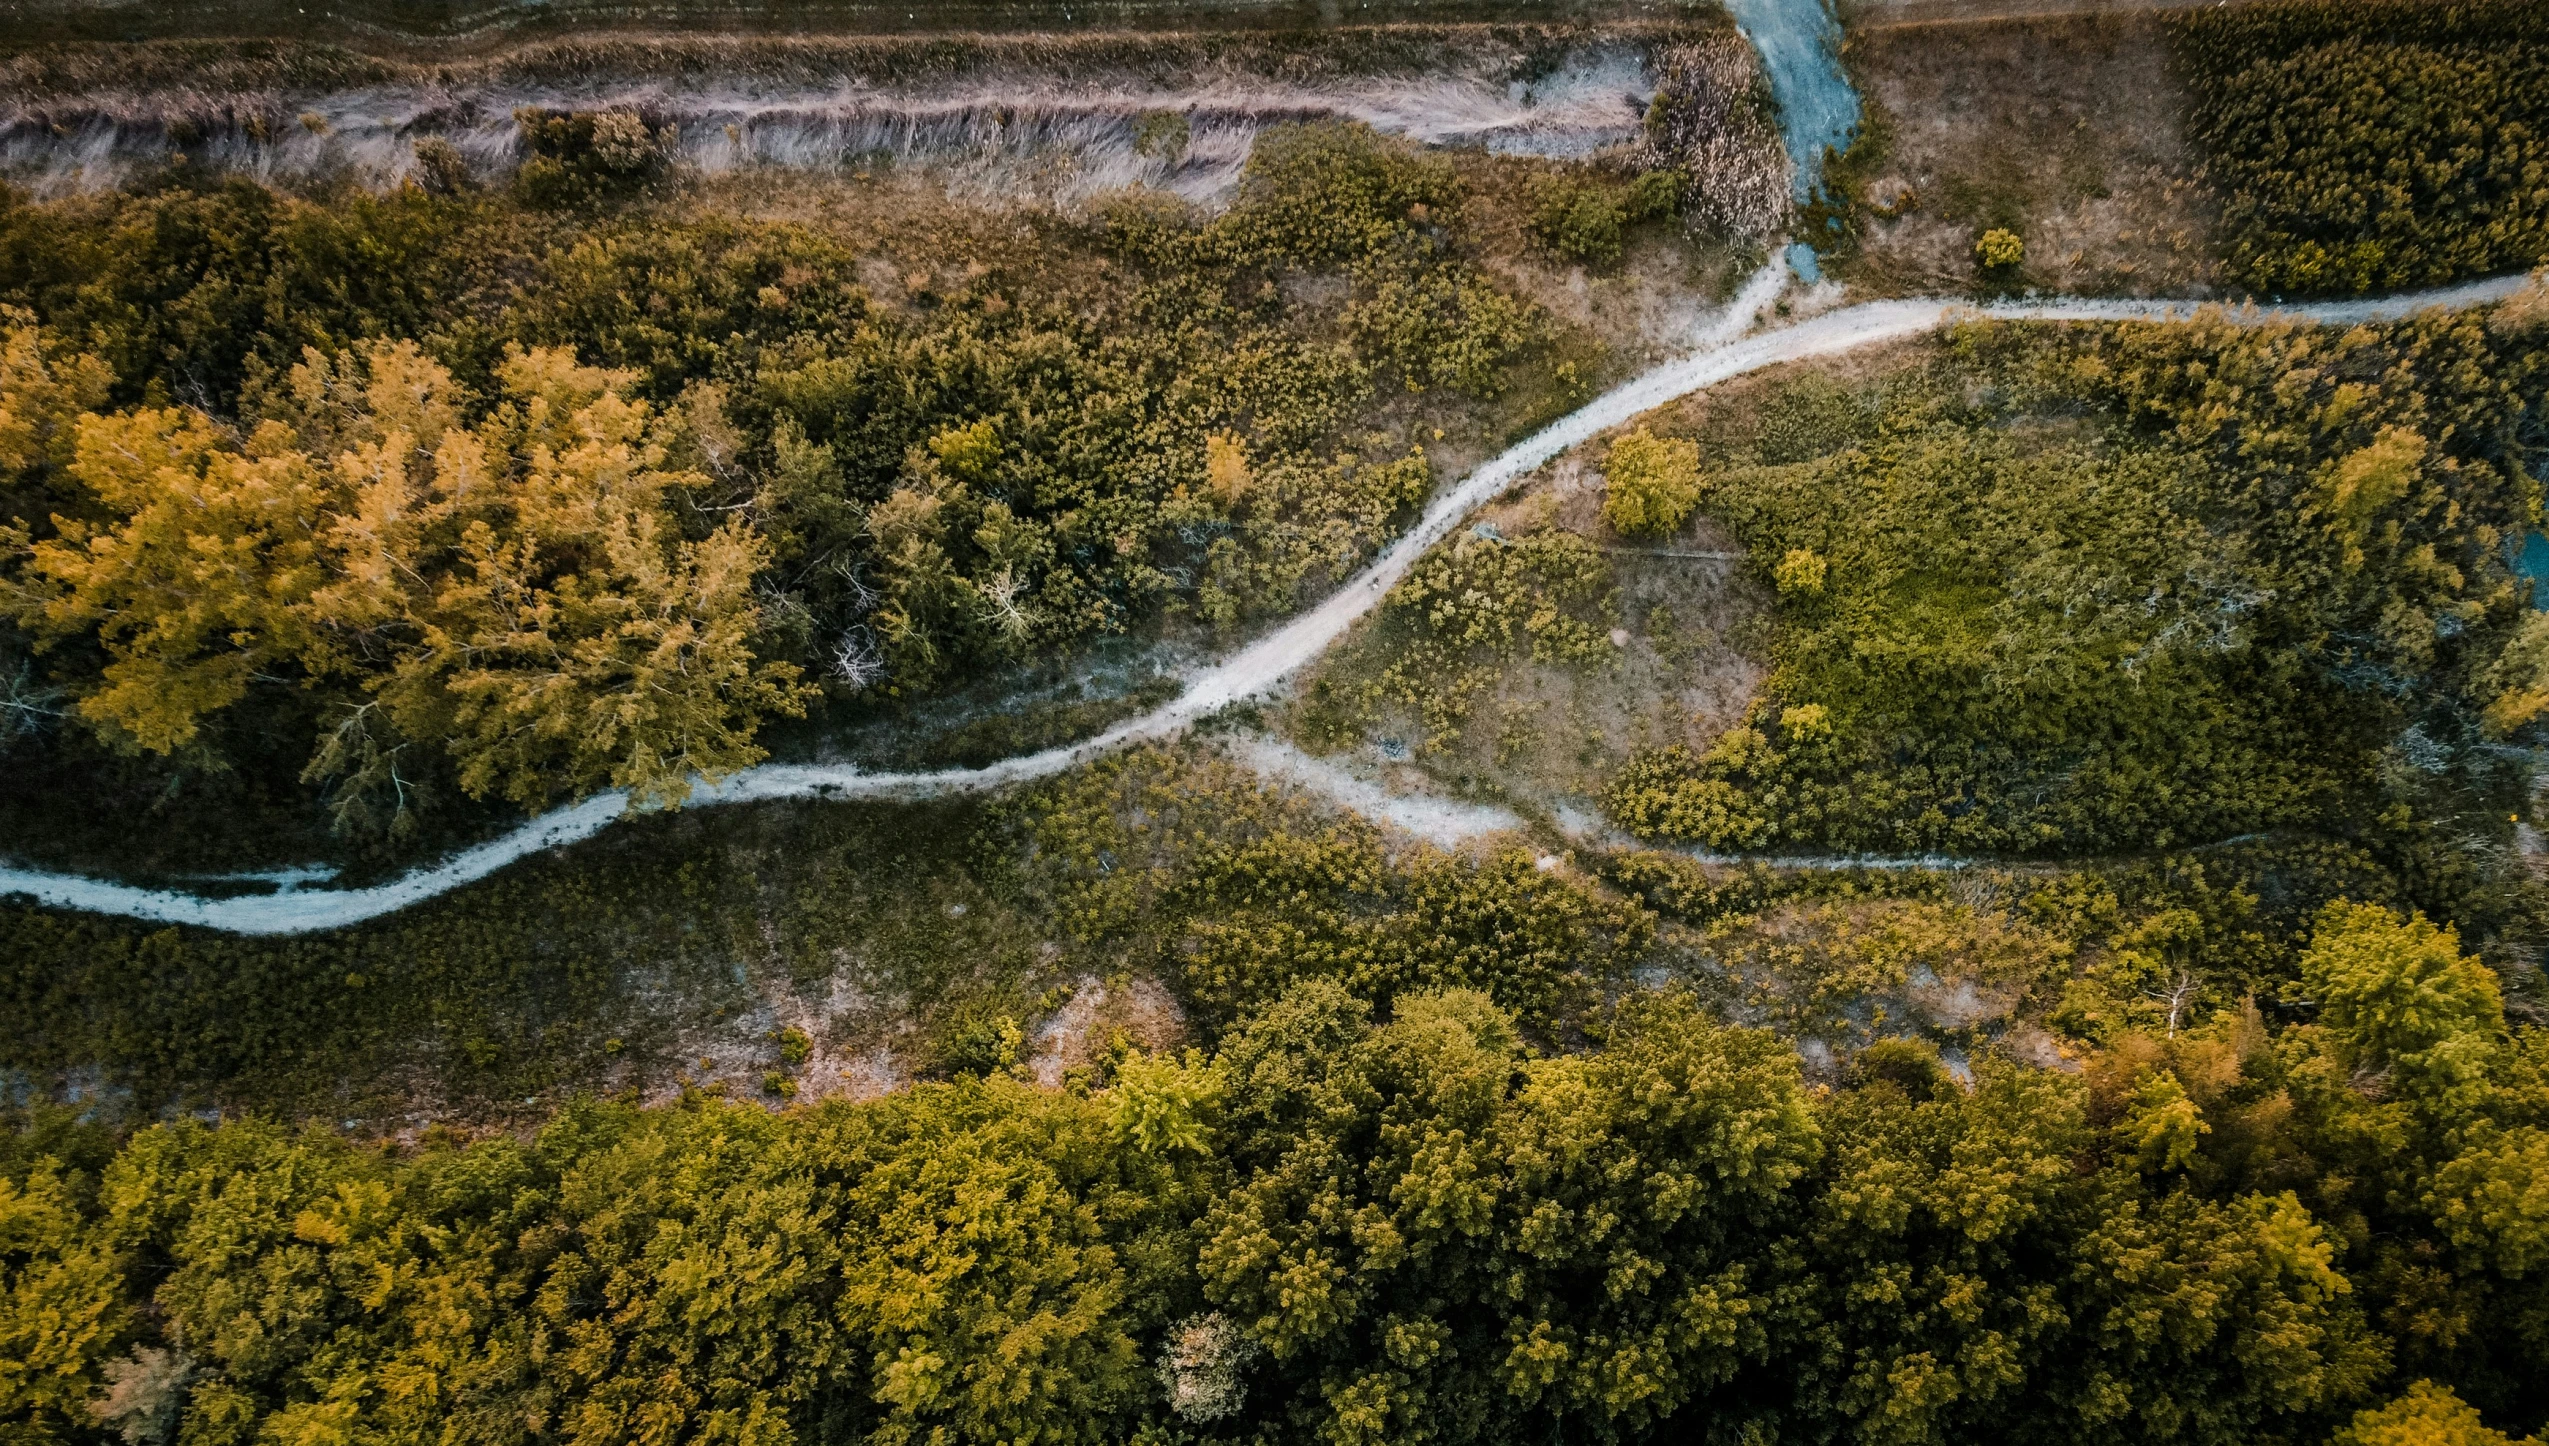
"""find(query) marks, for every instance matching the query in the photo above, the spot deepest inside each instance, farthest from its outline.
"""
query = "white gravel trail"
(1252, 671)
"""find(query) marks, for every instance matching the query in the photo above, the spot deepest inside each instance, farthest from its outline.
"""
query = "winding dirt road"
(1253, 671)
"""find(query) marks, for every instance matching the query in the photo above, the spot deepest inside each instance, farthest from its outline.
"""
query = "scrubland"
(2016, 919)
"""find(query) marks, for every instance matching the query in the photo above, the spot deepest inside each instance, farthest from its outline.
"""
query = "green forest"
(1361, 1226)
(2012, 905)
(2371, 146)
(444, 435)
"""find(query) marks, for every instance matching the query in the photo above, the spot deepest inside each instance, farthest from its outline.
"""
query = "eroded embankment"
(1057, 119)
(1253, 671)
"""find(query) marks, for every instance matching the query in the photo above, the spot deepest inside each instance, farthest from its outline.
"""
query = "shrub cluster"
(1585, 218)
(573, 156)
(1650, 484)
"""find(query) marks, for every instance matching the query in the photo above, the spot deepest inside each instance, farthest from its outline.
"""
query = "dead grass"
(656, 48)
(2064, 129)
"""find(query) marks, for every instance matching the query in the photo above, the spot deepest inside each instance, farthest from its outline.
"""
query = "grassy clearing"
(1527, 660)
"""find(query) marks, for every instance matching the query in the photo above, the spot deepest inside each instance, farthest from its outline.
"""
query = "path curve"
(1250, 672)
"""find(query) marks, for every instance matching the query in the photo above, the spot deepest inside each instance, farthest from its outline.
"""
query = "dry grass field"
(2063, 129)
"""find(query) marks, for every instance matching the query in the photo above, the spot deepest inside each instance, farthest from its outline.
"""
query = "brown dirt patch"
(2064, 129)
(1080, 1033)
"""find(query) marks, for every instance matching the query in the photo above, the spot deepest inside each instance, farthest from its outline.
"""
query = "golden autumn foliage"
(519, 592)
(41, 395)
(1652, 486)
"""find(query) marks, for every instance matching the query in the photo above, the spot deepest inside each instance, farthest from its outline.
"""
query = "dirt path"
(1253, 671)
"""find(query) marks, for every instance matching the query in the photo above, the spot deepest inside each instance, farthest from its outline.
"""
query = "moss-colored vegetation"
(1235, 893)
(2118, 588)
(1445, 635)
(1650, 484)
(2239, 1137)
(1584, 218)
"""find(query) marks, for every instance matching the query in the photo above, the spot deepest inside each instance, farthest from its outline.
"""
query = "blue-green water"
(2533, 562)
(1800, 47)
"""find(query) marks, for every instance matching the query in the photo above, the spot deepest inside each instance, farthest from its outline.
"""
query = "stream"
(1799, 43)
(1251, 672)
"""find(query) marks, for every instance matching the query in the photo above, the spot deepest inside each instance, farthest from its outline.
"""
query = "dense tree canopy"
(1364, 1225)
(2372, 147)
(518, 593)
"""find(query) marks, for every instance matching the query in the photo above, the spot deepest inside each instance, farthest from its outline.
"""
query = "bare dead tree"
(856, 660)
(2177, 998)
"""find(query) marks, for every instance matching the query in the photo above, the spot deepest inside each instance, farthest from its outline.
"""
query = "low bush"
(1445, 635)
(1584, 218)
(1650, 485)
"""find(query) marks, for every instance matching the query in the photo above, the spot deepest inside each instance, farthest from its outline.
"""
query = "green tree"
(2403, 1002)
(63, 1307)
(2427, 1415)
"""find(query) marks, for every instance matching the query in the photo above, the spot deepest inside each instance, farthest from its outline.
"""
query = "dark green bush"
(1584, 218)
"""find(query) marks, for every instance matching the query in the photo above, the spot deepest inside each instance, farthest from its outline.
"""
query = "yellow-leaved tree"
(519, 593)
(565, 629)
(202, 580)
(1653, 484)
(42, 394)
